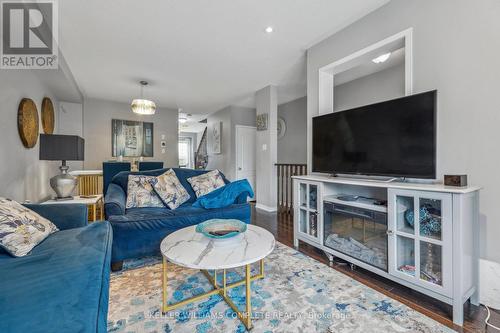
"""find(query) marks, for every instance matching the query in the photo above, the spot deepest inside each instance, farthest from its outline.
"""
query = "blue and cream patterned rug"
(298, 294)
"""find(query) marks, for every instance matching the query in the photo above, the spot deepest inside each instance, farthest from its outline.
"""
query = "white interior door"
(245, 154)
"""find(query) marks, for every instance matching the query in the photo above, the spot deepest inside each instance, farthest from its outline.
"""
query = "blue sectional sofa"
(139, 231)
(63, 284)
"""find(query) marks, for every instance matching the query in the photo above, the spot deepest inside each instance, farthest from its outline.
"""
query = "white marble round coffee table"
(190, 249)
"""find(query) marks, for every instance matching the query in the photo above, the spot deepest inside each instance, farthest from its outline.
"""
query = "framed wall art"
(131, 138)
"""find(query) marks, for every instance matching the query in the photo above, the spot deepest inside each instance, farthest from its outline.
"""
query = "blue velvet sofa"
(138, 232)
(63, 284)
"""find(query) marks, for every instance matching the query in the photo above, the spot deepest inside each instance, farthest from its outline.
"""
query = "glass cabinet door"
(309, 210)
(430, 229)
(313, 197)
(303, 195)
(421, 238)
(431, 258)
(405, 214)
(302, 221)
(313, 224)
(430, 218)
(405, 255)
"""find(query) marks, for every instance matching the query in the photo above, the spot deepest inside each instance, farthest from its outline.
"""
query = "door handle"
(390, 232)
(239, 169)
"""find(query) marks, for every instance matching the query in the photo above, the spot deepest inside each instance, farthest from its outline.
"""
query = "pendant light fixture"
(141, 105)
(182, 117)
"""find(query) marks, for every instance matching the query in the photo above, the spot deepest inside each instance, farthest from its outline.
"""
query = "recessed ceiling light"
(382, 58)
(269, 30)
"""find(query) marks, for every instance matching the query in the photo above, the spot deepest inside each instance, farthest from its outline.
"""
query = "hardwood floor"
(281, 225)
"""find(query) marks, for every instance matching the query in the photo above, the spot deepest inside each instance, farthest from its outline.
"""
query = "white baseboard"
(489, 288)
(266, 208)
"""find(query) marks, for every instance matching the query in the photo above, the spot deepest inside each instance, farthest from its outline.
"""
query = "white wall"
(266, 102)
(22, 175)
(97, 115)
(455, 50)
(230, 117)
(381, 86)
(292, 148)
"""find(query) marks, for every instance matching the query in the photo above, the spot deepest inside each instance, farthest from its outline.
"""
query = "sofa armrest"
(64, 216)
(115, 200)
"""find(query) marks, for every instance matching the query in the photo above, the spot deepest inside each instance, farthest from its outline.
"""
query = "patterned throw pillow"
(169, 189)
(21, 229)
(206, 183)
(140, 193)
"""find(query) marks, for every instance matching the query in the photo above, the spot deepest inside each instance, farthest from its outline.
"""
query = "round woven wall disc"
(47, 116)
(27, 122)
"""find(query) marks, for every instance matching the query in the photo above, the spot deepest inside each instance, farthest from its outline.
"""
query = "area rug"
(298, 294)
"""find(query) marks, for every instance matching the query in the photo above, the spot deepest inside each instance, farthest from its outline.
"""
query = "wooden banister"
(201, 156)
(285, 172)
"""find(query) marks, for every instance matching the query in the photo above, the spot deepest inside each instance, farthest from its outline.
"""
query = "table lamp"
(63, 148)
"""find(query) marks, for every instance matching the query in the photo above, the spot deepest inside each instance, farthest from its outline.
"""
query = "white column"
(266, 156)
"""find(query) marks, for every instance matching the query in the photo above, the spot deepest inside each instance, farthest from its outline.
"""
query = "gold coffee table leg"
(248, 315)
(224, 291)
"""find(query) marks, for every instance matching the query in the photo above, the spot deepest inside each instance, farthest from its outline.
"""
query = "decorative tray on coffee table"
(221, 228)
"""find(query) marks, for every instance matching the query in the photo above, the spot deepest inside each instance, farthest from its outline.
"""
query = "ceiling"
(197, 55)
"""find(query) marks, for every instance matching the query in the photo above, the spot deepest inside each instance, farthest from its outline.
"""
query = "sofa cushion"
(140, 192)
(169, 189)
(206, 183)
(183, 174)
(62, 286)
(21, 229)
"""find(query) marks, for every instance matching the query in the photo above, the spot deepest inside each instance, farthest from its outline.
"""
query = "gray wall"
(70, 121)
(22, 175)
(230, 117)
(292, 148)
(381, 86)
(455, 50)
(97, 115)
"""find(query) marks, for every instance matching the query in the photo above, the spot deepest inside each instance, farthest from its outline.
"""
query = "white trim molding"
(266, 208)
(327, 73)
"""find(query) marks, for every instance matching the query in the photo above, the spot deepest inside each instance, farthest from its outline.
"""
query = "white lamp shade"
(143, 106)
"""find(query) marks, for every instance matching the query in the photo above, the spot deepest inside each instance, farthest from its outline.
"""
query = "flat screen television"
(395, 138)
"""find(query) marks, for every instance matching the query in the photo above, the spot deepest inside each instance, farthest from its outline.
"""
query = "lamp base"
(64, 184)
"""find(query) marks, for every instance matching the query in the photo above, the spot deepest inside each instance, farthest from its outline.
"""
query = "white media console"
(423, 236)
